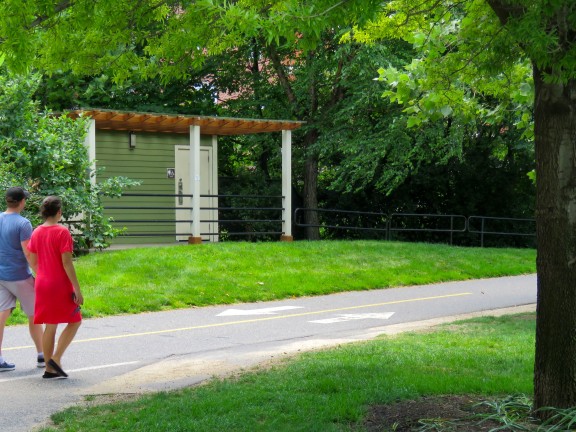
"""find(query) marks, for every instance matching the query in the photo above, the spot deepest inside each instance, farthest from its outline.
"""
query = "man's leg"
(36, 331)
(7, 303)
(3, 318)
(24, 291)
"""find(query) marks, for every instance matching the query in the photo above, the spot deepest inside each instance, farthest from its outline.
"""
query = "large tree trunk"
(555, 137)
(311, 188)
(311, 197)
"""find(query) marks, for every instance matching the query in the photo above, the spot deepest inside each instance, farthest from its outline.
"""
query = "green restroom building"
(176, 159)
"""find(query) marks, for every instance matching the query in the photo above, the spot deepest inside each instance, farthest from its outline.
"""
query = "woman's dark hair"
(50, 206)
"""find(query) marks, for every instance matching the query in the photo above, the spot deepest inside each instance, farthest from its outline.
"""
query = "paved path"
(167, 350)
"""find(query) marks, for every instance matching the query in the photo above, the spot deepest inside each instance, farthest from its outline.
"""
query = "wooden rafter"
(178, 123)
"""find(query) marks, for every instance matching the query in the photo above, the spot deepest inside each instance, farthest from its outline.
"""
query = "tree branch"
(282, 76)
(505, 10)
(63, 5)
(312, 85)
(325, 12)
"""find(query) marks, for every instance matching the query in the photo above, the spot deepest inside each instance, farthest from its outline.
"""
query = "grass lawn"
(153, 279)
(333, 390)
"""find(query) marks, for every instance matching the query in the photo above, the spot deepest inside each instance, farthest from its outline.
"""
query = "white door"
(182, 187)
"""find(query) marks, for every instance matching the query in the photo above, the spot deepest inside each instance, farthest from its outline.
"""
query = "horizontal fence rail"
(236, 215)
(501, 226)
(425, 223)
(428, 222)
(260, 216)
(299, 213)
(414, 222)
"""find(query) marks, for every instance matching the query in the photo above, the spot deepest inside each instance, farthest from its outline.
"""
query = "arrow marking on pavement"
(351, 317)
(265, 311)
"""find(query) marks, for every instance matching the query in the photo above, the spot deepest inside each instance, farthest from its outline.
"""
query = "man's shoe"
(40, 361)
(5, 366)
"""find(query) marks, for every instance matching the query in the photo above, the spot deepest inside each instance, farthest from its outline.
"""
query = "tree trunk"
(311, 187)
(311, 197)
(555, 138)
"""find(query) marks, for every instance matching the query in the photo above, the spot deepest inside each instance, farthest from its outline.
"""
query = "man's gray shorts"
(22, 290)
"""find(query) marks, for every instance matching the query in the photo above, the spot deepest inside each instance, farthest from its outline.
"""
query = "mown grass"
(154, 279)
(332, 390)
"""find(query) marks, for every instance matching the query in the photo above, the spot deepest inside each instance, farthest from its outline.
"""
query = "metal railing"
(416, 222)
(232, 220)
(299, 214)
(261, 216)
(449, 224)
(502, 222)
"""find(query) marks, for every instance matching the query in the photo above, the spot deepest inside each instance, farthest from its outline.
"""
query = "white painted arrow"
(264, 311)
(350, 317)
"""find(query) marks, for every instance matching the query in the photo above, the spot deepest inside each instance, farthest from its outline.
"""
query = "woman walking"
(58, 295)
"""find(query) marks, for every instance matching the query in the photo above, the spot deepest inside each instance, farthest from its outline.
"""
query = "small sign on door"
(170, 173)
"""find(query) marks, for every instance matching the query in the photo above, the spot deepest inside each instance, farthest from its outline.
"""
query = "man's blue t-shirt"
(14, 229)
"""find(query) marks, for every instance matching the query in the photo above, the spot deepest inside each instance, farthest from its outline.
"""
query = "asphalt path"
(166, 350)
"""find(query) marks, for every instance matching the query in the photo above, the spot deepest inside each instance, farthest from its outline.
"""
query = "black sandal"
(50, 375)
(59, 371)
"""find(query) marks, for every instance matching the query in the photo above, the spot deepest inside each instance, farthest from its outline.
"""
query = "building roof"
(177, 123)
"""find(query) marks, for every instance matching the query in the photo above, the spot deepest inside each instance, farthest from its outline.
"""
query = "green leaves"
(467, 68)
(414, 89)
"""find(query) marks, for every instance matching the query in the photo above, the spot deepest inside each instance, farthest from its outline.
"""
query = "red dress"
(54, 303)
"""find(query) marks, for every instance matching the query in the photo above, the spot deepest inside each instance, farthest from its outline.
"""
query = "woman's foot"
(59, 371)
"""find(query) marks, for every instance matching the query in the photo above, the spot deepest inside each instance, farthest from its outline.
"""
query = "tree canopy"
(85, 36)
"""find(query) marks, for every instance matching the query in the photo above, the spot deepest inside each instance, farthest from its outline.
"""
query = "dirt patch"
(436, 413)
(102, 399)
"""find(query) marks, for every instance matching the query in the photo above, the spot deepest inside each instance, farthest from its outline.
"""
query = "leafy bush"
(45, 154)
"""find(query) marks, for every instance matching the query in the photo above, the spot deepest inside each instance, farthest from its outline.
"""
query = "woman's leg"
(64, 341)
(48, 341)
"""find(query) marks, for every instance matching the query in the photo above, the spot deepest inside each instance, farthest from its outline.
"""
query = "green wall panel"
(147, 162)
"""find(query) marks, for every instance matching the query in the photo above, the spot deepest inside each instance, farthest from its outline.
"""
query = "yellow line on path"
(156, 332)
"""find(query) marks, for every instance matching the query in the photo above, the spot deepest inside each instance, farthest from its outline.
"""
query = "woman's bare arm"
(30, 257)
(71, 272)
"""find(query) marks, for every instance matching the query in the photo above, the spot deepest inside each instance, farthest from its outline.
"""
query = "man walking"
(16, 281)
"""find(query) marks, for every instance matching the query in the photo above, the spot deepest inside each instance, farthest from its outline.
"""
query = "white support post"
(214, 202)
(90, 143)
(286, 186)
(195, 183)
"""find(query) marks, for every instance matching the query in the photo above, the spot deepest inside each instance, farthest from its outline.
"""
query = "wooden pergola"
(178, 123)
(194, 126)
